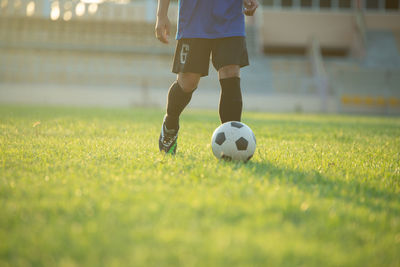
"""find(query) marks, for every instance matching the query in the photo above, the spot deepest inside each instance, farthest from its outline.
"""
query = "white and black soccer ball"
(233, 140)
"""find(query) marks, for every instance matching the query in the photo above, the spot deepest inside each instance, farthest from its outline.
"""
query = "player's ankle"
(171, 123)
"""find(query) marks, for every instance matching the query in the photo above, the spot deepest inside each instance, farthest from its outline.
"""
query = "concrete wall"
(334, 30)
(383, 21)
(289, 28)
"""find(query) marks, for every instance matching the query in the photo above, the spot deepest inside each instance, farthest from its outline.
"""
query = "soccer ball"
(233, 140)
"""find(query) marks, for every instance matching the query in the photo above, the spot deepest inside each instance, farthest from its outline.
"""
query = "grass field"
(87, 187)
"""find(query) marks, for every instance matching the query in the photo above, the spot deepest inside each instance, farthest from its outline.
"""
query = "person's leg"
(191, 61)
(229, 55)
(179, 96)
(230, 103)
(229, 71)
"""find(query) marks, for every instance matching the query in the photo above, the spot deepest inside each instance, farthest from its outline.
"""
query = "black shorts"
(193, 54)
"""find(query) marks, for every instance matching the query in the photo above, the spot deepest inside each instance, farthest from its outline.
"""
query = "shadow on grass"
(331, 121)
(313, 182)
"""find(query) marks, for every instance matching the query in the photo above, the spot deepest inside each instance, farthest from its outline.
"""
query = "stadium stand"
(315, 55)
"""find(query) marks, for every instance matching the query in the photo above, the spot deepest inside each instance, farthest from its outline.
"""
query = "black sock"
(230, 102)
(176, 102)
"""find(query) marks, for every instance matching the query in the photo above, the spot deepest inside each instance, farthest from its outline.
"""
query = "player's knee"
(188, 85)
(188, 81)
(229, 71)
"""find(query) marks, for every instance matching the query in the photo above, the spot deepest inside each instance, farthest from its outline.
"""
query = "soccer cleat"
(168, 140)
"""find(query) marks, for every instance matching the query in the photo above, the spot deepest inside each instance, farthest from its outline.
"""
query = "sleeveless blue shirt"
(210, 19)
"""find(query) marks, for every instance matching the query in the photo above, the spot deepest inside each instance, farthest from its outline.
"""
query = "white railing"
(318, 71)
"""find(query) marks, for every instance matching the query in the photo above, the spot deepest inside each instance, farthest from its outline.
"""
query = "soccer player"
(205, 27)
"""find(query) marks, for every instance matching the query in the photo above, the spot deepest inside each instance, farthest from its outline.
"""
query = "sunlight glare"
(30, 8)
(80, 9)
(55, 11)
(4, 3)
(55, 4)
(92, 8)
(92, 1)
(67, 15)
(122, 2)
(68, 5)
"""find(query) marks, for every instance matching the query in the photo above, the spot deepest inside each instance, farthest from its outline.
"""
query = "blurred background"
(334, 56)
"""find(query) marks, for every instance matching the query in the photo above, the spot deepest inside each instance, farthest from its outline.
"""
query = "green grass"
(87, 187)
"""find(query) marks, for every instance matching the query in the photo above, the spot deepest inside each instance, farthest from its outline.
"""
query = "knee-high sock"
(230, 102)
(176, 102)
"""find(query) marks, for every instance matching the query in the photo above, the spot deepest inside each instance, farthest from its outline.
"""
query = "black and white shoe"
(167, 142)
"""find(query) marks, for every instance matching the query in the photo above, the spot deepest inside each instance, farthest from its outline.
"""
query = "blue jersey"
(210, 19)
